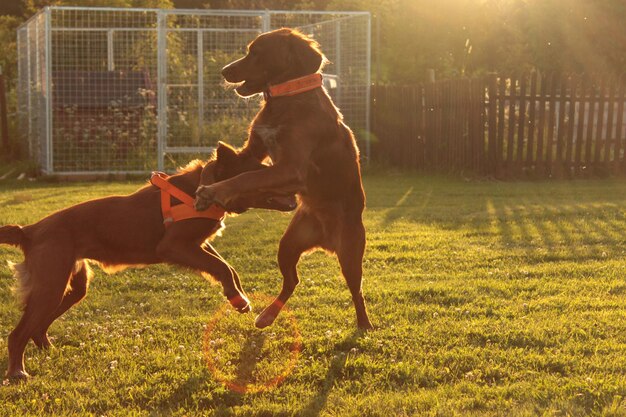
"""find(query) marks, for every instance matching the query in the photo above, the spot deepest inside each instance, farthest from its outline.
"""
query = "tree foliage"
(453, 37)
(457, 37)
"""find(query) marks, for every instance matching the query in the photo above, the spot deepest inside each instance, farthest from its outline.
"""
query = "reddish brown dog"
(120, 231)
(314, 154)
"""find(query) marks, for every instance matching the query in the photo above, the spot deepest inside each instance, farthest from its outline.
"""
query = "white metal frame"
(43, 147)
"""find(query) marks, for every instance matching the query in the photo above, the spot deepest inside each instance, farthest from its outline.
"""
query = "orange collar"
(183, 211)
(295, 86)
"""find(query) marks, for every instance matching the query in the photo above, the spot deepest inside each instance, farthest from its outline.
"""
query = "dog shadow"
(27, 197)
(232, 396)
(335, 370)
(4, 364)
(248, 358)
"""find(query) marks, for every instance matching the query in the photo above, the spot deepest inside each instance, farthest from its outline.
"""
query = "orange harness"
(295, 86)
(183, 211)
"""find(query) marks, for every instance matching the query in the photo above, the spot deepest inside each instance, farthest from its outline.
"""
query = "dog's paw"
(264, 320)
(365, 326)
(207, 195)
(267, 316)
(204, 198)
(240, 303)
(42, 341)
(18, 375)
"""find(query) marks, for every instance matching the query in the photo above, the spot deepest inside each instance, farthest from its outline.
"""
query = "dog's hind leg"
(303, 233)
(79, 283)
(350, 254)
(49, 277)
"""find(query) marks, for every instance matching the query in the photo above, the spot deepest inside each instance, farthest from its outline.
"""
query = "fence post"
(621, 96)
(521, 127)
(600, 142)
(430, 75)
(532, 109)
(512, 123)
(4, 132)
(161, 88)
(569, 143)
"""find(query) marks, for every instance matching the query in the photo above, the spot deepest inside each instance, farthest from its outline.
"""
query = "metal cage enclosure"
(107, 90)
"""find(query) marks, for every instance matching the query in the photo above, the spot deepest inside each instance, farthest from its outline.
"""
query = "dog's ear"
(225, 152)
(307, 53)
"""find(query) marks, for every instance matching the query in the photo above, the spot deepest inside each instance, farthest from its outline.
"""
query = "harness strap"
(182, 211)
(160, 180)
(296, 86)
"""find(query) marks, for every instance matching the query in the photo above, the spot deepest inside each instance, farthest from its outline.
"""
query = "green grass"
(488, 298)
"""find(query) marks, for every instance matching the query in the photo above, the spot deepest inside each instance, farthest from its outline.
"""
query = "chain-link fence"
(105, 90)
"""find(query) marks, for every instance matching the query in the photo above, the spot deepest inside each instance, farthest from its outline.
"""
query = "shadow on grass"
(248, 358)
(580, 218)
(232, 395)
(316, 405)
(540, 225)
(4, 364)
(26, 197)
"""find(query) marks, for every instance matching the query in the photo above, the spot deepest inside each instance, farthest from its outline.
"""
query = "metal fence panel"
(139, 89)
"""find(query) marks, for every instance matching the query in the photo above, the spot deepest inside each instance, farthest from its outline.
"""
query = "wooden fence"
(535, 126)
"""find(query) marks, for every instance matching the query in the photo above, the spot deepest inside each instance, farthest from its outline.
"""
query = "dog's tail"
(12, 235)
(23, 284)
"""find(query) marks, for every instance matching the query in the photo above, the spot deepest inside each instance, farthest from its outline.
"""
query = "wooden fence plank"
(467, 151)
(429, 123)
(492, 146)
(471, 126)
(618, 160)
(405, 139)
(532, 103)
(456, 124)
(440, 138)
(557, 172)
(421, 124)
(539, 161)
(521, 127)
(500, 149)
(4, 123)
(582, 109)
(556, 81)
(571, 119)
(511, 127)
(609, 127)
(599, 125)
(481, 115)
(442, 128)
(458, 157)
(435, 127)
(451, 122)
(414, 133)
(589, 144)
(477, 95)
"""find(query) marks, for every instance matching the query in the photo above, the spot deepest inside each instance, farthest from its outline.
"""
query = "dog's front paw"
(240, 303)
(42, 341)
(267, 316)
(205, 196)
(18, 375)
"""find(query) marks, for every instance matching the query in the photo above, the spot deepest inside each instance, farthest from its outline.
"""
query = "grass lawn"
(488, 298)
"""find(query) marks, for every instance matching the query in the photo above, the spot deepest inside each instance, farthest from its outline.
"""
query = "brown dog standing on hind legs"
(147, 227)
(314, 154)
